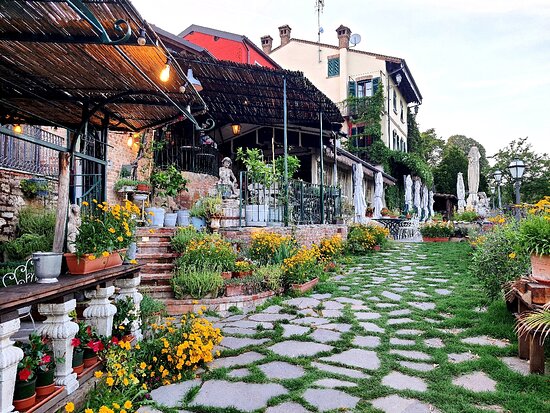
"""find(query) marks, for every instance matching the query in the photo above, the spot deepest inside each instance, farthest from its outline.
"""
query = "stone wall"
(12, 200)
(304, 234)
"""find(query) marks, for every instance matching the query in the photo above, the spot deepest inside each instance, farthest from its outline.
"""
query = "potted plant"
(196, 282)
(47, 266)
(198, 215)
(243, 268)
(534, 237)
(45, 371)
(24, 395)
(126, 185)
(151, 310)
(105, 233)
(143, 186)
(168, 183)
(301, 271)
(436, 231)
(34, 187)
(87, 346)
(127, 315)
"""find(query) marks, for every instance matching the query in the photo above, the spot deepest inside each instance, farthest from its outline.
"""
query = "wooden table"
(529, 296)
(12, 298)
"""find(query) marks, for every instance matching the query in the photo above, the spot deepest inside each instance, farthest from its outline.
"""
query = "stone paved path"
(376, 345)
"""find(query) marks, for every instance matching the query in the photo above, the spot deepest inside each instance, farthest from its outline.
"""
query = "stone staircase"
(155, 252)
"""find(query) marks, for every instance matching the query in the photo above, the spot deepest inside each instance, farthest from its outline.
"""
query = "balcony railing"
(202, 159)
(354, 107)
(262, 202)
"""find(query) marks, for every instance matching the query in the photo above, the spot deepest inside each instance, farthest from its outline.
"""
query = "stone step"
(157, 268)
(148, 247)
(157, 258)
(156, 279)
(158, 291)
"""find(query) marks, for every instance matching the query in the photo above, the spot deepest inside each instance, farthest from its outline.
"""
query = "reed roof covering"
(236, 92)
(54, 63)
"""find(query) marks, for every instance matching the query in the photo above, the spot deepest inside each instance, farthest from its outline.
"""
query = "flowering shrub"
(437, 229)
(183, 236)
(496, 259)
(535, 229)
(244, 265)
(363, 238)
(105, 228)
(302, 266)
(126, 314)
(330, 248)
(498, 219)
(270, 247)
(209, 252)
(87, 339)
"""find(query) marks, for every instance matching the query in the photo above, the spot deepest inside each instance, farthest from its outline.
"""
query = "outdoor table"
(528, 296)
(392, 224)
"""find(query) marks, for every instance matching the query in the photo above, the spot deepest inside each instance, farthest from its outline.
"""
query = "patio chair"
(409, 229)
(22, 274)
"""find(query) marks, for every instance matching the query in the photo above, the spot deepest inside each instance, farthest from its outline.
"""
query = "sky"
(482, 66)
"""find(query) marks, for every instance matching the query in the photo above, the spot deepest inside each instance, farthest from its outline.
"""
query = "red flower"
(75, 342)
(95, 345)
(114, 340)
(25, 374)
(45, 359)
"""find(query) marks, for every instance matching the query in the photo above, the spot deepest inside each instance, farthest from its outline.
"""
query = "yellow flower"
(116, 405)
(91, 257)
(69, 407)
(512, 255)
(127, 404)
(133, 262)
(142, 365)
(112, 230)
(94, 201)
(84, 203)
(105, 254)
(88, 411)
(119, 239)
(110, 381)
(98, 374)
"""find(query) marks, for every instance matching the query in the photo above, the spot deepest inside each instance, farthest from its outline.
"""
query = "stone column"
(128, 287)
(100, 311)
(59, 327)
(9, 357)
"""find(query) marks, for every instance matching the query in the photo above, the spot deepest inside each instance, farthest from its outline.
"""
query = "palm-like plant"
(537, 321)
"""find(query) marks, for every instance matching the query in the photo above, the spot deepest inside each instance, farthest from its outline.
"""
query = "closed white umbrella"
(473, 176)
(460, 192)
(417, 204)
(425, 203)
(359, 202)
(378, 194)
(408, 193)
(431, 196)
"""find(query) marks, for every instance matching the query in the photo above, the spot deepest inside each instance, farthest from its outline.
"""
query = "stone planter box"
(302, 288)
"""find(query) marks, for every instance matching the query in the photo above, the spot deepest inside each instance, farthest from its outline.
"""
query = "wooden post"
(62, 201)
(536, 354)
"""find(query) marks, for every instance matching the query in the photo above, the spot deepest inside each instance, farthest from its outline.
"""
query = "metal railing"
(262, 202)
(354, 107)
(28, 156)
(203, 159)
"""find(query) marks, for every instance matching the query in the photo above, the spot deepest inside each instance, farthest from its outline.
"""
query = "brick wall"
(12, 200)
(198, 186)
(304, 234)
(119, 154)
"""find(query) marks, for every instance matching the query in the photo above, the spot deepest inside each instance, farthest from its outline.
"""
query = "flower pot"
(44, 382)
(143, 188)
(47, 266)
(170, 219)
(435, 239)
(234, 290)
(226, 275)
(90, 358)
(128, 338)
(215, 224)
(22, 405)
(241, 274)
(131, 252)
(78, 360)
(541, 268)
(183, 218)
(302, 288)
(86, 266)
(25, 390)
(157, 219)
(43, 391)
(198, 223)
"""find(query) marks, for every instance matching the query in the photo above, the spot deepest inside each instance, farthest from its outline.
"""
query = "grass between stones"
(439, 272)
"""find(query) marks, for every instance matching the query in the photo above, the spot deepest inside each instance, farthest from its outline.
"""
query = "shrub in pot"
(440, 231)
(535, 239)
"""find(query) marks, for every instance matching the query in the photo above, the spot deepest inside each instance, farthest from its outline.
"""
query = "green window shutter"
(333, 66)
(375, 83)
(352, 91)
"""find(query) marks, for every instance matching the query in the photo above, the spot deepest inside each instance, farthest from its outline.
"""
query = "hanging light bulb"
(130, 141)
(17, 128)
(141, 40)
(236, 129)
(182, 89)
(165, 73)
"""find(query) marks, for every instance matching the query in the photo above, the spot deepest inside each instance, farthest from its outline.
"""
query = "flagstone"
(250, 324)
(314, 321)
(238, 373)
(398, 404)
(240, 360)
(342, 371)
(371, 327)
(342, 327)
(516, 364)
(366, 341)
(420, 294)
(271, 317)
(173, 394)
(460, 357)
(443, 291)
(302, 302)
(386, 305)
(391, 296)
(485, 341)
(397, 321)
(422, 305)
(325, 336)
(400, 381)
(237, 330)
(245, 397)
(347, 300)
(364, 359)
(292, 348)
(418, 366)
(321, 296)
(287, 407)
(476, 382)
(332, 305)
(331, 313)
(434, 343)
(281, 370)
(292, 329)
(373, 298)
(402, 342)
(333, 383)
(411, 354)
(400, 312)
(329, 399)
(236, 343)
(367, 316)
(272, 309)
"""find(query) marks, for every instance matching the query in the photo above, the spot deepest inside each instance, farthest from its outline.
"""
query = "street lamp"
(516, 168)
(498, 178)
(493, 188)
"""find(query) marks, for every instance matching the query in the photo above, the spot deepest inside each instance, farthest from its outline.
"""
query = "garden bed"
(221, 305)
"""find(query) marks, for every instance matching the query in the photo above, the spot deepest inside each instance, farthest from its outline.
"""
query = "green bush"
(22, 248)
(496, 260)
(183, 236)
(208, 252)
(149, 309)
(272, 276)
(535, 234)
(466, 216)
(196, 283)
(437, 229)
(36, 221)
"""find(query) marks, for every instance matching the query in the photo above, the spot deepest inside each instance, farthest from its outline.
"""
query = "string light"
(165, 73)
(17, 128)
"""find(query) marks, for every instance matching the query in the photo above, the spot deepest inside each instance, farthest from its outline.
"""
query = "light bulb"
(182, 89)
(141, 40)
(130, 141)
(165, 74)
(17, 128)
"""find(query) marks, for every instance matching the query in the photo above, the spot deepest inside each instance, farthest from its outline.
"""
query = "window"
(402, 112)
(333, 66)
(394, 101)
(364, 88)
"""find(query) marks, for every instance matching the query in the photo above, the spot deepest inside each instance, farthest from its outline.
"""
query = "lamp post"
(492, 188)
(498, 178)
(516, 168)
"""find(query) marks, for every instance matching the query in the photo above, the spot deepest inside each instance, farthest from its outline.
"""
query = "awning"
(59, 59)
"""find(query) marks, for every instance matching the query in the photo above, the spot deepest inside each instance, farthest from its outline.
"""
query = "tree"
(427, 144)
(535, 183)
(465, 144)
(452, 162)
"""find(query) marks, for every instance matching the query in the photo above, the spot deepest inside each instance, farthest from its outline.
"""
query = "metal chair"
(409, 229)
(23, 274)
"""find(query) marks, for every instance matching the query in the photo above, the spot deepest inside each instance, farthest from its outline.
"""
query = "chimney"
(284, 32)
(343, 36)
(267, 44)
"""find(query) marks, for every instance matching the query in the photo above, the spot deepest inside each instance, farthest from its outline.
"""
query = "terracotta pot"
(302, 288)
(241, 274)
(541, 268)
(43, 391)
(24, 404)
(234, 290)
(143, 188)
(24, 389)
(90, 360)
(226, 275)
(435, 239)
(44, 378)
(78, 360)
(86, 266)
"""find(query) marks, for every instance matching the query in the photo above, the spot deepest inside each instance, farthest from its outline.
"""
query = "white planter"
(170, 219)
(47, 266)
(256, 215)
(183, 217)
(157, 218)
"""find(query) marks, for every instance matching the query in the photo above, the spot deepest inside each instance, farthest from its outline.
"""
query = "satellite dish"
(355, 39)
(321, 30)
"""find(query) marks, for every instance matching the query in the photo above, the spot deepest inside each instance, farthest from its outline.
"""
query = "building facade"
(343, 71)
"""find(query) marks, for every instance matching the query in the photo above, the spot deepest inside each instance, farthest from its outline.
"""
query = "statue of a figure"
(73, 227)
(483, 205)
(227, 177)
